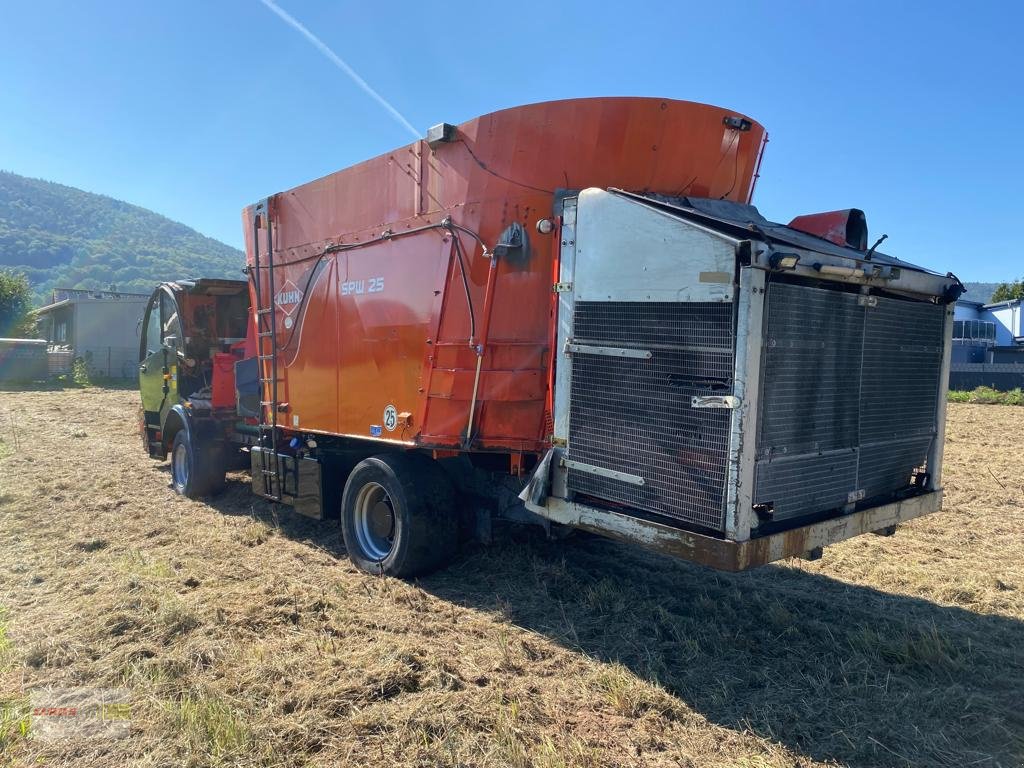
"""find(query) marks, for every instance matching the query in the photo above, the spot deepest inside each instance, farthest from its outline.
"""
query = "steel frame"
(728, 555)
(746, 386)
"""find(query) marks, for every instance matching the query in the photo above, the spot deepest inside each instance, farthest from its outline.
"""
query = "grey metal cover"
(849, 396)
(632, 414)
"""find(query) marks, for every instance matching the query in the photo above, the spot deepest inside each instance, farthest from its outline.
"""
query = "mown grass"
(14, 723)
(210, 727)
(246, 639)
(988, 396)
(5, 643)
(14, 708)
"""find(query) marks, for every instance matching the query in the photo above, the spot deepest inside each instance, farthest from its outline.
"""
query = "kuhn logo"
(288, 298)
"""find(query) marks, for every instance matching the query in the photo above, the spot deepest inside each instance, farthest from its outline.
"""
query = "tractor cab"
(193, 332)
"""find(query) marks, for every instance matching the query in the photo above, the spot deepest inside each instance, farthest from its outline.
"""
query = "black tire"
(196, 473)
(423, 525)
(215, 465)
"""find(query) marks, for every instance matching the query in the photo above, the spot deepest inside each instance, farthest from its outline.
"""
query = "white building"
(988, 345)
(101, 327)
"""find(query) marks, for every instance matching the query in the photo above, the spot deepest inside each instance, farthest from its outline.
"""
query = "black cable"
(735, 165)
(451, 224)
(479, 162)
(871, 250)
(302, 303)
(465, 285)
(446, 224)
(682, 192)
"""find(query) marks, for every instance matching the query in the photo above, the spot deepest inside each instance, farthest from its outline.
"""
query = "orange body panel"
(386, 322)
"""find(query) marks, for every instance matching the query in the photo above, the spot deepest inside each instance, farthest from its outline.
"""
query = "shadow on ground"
(831, 670)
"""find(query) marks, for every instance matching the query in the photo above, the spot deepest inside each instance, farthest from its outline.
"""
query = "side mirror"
(170, 343)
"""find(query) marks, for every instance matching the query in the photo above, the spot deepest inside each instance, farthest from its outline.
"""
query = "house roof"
(51, 307)
(80, 295)
(98, 293)
(1004, 304)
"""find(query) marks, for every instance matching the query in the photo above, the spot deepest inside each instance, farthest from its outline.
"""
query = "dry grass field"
(245, 637)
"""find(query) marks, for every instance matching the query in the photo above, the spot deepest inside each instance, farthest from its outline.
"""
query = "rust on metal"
(727, 555)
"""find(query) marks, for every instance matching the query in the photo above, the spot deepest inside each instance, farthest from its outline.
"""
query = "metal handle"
(590, 349)
(715, 401)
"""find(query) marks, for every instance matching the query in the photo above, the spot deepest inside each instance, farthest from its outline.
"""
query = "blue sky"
(195, 109)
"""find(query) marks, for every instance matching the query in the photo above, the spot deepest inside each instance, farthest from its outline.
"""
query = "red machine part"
(383, 308)
(848, 227)
(223, 385)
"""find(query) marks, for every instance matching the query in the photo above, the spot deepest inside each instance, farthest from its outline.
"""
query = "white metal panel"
(934, 461)
(626, 251)
(1007, 321)
(563, 362)
(739, 516)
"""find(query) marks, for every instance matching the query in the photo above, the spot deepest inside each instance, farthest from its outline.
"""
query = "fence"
(60, 360)
(22, 359)
(111, 362)
(1000, 376)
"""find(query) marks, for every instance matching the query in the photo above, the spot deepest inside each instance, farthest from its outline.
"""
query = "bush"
(80, 372)
(988, 396)
(15, 303)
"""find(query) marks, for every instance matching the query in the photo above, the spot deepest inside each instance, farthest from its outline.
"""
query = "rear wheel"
(397, 515)
(196, 473)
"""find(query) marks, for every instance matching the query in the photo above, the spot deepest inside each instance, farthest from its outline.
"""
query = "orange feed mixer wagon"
(569, 313)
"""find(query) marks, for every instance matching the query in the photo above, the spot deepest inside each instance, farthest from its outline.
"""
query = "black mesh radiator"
(849, 396)
(633, 415)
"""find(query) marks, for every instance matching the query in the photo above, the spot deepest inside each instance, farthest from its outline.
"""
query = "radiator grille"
(844, 377)
(634, 416)
(885, 467)
(902, 364)
(811, 363)
(808, 483)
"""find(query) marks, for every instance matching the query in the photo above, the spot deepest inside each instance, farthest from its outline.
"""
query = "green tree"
(1008, 291)
(15, 303)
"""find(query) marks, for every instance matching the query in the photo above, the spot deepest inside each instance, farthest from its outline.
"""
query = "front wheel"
(397, 515)
(192, 475)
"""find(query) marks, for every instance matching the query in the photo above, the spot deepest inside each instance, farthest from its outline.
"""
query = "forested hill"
(64, 237)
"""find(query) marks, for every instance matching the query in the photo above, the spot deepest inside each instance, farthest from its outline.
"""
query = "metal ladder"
(266, 355)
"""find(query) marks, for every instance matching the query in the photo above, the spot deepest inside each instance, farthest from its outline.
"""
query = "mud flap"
(537, 490)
